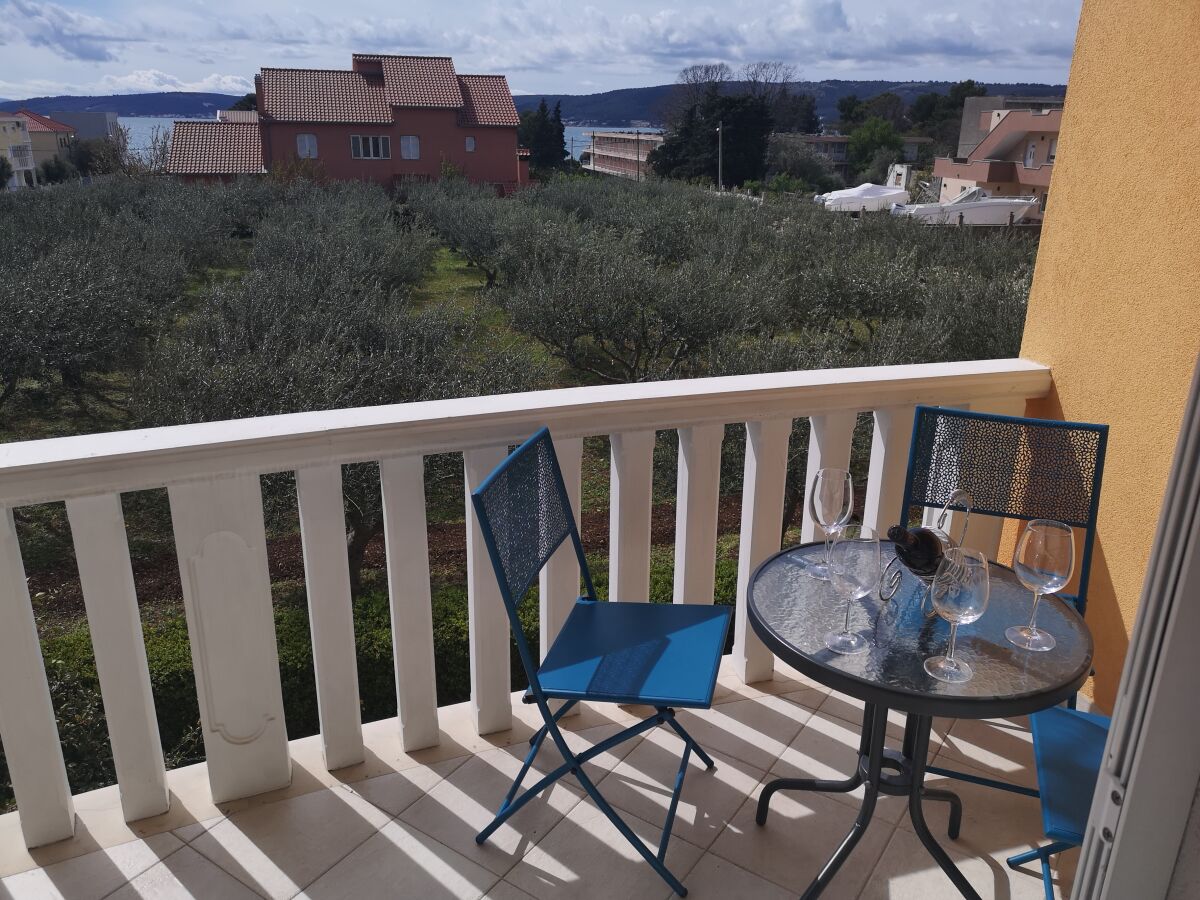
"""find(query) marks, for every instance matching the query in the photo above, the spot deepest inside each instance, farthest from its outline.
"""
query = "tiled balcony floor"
(409, 831)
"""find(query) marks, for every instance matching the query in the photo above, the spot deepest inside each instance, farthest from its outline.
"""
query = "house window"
(470, 142)
(370, 146)
(1053, 150)
(410, 147)
(1030, 152)
(306, 146)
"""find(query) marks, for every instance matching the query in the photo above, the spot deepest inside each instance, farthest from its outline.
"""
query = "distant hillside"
(647, 104)
(176, 103)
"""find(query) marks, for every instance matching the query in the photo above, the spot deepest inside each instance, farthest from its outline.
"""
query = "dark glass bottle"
(918, 548)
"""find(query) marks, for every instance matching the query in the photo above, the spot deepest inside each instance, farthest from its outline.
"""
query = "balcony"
(21, 156)
(390, 807)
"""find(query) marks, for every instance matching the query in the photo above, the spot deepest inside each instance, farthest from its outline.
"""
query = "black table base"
(883, 770)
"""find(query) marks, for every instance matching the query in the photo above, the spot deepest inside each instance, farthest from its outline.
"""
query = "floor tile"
(800, 835)
(906, 871)
(502, 890)
(461, 805)
(996, 824)
(850, 709)
(642, 784)
(185, 875)
(999, 748)
(714, 878)
(400, 861)
(755, 731)
(584, 856)
(396, 791)
(92, 876)
(827, 747)
(280, 848)
(188, 833)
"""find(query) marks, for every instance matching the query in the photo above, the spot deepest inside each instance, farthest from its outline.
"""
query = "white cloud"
(545, 44)
(145, 81)
(70, 34)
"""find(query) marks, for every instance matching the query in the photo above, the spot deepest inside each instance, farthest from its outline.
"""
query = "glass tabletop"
(791, 612)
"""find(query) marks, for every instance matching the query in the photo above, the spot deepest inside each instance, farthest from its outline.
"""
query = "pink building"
(1014, 159)
(386, 119)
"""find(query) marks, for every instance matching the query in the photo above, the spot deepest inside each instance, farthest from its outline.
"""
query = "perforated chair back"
(525, 515)
(1013, 467)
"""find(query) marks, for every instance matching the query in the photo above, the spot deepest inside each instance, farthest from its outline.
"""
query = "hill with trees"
(172, 103)
(650, 104)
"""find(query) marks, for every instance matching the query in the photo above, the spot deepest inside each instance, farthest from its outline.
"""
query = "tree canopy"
(543, 132)
(694, 149)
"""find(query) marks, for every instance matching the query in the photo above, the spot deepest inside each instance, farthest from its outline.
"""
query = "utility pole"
(720, 155)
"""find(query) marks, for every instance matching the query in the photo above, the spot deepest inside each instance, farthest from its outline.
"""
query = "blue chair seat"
(1068, 749)
(659, 654)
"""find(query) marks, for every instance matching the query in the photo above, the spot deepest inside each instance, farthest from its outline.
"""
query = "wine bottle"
(918, 548)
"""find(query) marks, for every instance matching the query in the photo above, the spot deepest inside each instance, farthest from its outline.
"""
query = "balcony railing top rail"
(61, 468)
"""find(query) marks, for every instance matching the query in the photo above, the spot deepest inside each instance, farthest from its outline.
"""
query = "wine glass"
(960, 596)
(830, 503)
(1044, 562)
(854, 571)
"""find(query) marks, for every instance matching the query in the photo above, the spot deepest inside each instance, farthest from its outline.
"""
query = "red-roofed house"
(385, 119)
(48, 137)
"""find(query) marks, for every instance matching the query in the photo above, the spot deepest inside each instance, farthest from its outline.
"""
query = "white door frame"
(1151, 764)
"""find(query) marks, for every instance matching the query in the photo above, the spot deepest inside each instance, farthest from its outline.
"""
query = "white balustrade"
(697, 496)
(630, 502)
(211, 471)
(406, 533)
(106, 577)
(763, 482)
(220, 540)
(487, 620)
(27, 726)
(829, 441)
(330, 613)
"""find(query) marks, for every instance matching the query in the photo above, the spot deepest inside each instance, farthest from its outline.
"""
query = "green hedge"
(71, 668)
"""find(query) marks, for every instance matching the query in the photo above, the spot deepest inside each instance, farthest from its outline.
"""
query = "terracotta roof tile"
(418, 81)
(34, 122)
(323, 95)
(487, 101)
(215, 148)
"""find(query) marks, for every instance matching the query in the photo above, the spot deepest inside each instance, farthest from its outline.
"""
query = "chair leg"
(669, 715)
(659, 866)
(1043, 855)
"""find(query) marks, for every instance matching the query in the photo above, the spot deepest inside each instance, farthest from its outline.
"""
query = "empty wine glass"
(830, 503)
(960, 596)
(854, 571)
(1044, 562)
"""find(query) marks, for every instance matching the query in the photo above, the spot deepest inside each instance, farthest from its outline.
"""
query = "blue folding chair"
(1068, 747)
(660, 655)
(1025, 469)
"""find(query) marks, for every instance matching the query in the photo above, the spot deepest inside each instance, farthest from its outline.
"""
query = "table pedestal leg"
(909, 781)
(921, 726)
(874, 728)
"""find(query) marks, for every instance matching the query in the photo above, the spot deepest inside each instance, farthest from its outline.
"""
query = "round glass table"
(792, 612)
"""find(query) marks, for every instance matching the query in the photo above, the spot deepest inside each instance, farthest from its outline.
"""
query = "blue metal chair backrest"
(524, 516)
(1013, 467)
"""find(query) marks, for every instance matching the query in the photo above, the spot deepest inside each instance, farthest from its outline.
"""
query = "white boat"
(866, 197)
(973, 207)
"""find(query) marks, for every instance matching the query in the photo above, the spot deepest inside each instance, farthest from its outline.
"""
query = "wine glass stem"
(828, 532)
(846, 626)
(953, 635)
(1037, 598)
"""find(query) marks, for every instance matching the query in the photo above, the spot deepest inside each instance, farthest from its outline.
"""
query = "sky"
(543, 46)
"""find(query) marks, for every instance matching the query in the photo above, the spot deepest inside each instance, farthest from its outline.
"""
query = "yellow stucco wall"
(1115, 304)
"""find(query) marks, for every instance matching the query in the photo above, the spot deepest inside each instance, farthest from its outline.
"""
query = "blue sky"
(121, 46)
